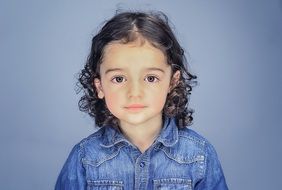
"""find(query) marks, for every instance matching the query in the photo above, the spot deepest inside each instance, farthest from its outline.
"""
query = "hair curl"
(124, 28)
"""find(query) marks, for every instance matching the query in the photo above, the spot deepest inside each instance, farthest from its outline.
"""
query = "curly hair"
(124, 28)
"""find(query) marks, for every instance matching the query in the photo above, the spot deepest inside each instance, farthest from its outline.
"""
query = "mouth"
(135, 107)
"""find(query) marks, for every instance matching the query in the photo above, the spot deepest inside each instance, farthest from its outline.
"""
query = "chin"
(135, 120)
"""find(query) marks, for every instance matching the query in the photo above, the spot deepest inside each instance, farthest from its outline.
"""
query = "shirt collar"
(168, 135)
(112, 136)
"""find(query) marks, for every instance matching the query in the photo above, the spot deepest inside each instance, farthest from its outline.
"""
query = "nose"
(135, 89)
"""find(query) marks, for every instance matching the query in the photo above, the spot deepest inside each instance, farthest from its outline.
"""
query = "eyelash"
(156, 79)
(114, 79)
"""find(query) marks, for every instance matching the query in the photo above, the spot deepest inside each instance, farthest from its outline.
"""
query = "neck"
(142, 135)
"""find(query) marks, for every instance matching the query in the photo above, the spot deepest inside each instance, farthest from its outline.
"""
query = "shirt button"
(142, 164)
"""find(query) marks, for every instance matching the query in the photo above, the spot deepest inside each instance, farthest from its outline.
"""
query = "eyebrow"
(113, 69)
(155, 69)
(147, 69)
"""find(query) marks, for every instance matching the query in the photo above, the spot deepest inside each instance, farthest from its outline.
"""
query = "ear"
(99, 89)
(174, 80)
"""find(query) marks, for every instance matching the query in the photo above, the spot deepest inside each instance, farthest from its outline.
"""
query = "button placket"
(142, 164)
(141, 171)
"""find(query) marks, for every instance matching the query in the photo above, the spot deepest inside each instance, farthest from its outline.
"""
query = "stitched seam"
(194, 139)
(98, 163)
(189, 161)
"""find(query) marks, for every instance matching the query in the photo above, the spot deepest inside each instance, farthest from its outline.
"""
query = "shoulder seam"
(185, 134)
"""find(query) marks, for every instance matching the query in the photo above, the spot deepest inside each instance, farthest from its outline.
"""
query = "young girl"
(136, 86)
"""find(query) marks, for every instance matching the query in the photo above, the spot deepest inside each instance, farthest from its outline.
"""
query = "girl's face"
(135, 81)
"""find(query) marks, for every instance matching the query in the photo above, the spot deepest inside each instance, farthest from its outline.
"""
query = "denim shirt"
(178, 159)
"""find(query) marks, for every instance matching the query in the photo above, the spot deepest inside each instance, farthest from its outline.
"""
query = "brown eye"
(118, 79)
(152, 79)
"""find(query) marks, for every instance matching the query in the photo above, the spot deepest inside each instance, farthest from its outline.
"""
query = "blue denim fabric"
(178, 159)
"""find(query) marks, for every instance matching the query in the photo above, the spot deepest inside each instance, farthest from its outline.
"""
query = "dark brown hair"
(127, 27)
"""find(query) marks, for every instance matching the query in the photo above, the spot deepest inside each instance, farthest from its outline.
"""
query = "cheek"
(112, 101)
(158, 99)
(160, 102)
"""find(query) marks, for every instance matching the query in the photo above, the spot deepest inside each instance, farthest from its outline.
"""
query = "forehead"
(133, 54)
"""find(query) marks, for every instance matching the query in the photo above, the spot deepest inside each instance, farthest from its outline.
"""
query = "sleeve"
(214, 178)
(72, 175)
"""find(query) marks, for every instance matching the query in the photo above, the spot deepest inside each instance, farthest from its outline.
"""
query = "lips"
(135, 106)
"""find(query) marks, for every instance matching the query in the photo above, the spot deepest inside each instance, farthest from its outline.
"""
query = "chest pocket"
(104, 185)
(172, 184)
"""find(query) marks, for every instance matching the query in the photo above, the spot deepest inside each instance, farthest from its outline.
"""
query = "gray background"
(234, 48)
